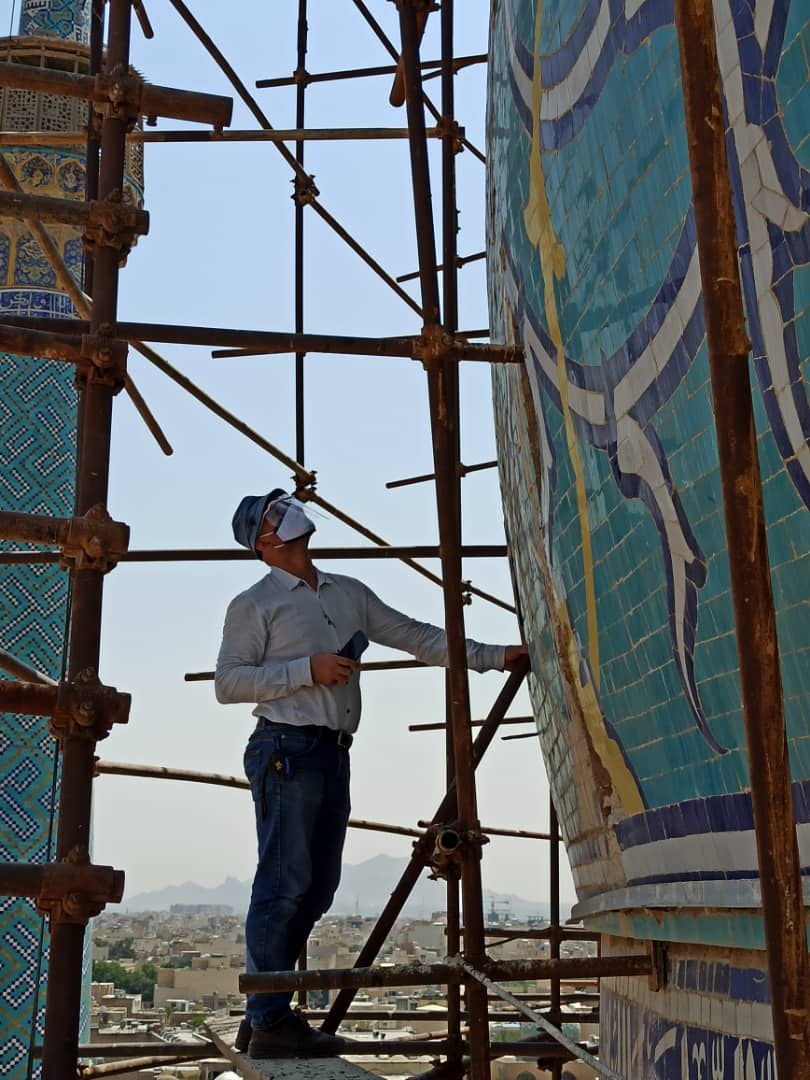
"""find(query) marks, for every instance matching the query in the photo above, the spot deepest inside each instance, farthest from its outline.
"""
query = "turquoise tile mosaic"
(37, 441)
(608, 455)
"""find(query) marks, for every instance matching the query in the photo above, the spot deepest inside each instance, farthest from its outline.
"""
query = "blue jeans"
(302, 810)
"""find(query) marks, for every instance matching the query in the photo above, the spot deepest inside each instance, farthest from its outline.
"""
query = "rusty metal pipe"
(565, 933)
(443, 397)
(375, 665)
(156, 1049)
(38, 343)
(152, 555)
(455, 264)
(459, 62)
(94, 535)
(458, 350)
(294, 135)
(755, 621)
(30, 699)
(34, 528)
(521, 834)
(463, 470)
(473, 723)
(130, 1065)
(443, 974)
(22, 207)
(163, 772)
(298, 272)
(554, 936)
(64, 991)
(153, 100)
(23, 671)
(57, 880)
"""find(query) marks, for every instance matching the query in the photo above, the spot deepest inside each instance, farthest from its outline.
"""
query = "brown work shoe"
(292, 1037)
(242, 1040)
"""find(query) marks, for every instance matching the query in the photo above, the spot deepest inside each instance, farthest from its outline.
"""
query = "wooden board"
(223, 1033)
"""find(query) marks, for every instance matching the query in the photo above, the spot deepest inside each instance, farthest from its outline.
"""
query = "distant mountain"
(364, 889)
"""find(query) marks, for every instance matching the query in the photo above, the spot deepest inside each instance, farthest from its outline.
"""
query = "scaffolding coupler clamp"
(94, 541)
(305, 484)
(449, 842)
(114, 223)
(433, 345)
(119, 94)
(75, 890)
(452, 130)
(304, 189)
(103, 360)
(86, 708)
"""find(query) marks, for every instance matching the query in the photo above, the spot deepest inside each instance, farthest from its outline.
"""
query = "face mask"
(289, 519)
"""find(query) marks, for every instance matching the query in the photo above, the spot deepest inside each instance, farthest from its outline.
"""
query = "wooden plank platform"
(223, 1032)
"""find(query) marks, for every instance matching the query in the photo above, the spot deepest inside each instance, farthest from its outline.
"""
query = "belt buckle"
(344, 739)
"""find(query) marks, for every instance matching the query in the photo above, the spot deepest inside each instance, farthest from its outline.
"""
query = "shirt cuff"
(300, 672)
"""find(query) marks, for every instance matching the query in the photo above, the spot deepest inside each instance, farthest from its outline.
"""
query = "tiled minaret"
(37, 451)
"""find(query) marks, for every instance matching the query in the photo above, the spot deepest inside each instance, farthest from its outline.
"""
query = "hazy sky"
(220, 253)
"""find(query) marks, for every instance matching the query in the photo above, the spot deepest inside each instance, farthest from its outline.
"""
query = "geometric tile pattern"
(607, 447)
(37, 431)
(37, 450)
(66, 19)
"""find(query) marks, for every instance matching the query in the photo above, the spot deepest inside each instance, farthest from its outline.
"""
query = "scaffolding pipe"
(294, 135)
(272, 342)
(23, 671)
(442, 393)
(559, 1037)
(64, 991)
(755, 622)
(463, 470)
(459, 62)
(163, 772)
(154, 555)
(146, 98)
(474, 723)
(454, 971)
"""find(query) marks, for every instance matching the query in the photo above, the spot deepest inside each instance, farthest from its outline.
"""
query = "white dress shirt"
(273, 628)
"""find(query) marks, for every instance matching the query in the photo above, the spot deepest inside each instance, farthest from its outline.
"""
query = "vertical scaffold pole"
(450, 320)
(300, 115)
(447, 481)
(755, 620)
(92, 473)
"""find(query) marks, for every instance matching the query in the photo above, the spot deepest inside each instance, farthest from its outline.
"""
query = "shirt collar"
(290, 581)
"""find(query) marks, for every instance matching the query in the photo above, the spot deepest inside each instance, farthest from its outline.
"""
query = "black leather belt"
(342, 738)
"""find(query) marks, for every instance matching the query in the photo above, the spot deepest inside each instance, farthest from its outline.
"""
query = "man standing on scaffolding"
(291, 645)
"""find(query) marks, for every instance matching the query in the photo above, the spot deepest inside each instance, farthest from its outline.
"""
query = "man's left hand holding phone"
(331, 668)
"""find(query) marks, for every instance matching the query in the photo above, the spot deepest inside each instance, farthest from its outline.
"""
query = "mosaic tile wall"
(37, 439)
(65, 19)
(607, 448)
(713, 1020)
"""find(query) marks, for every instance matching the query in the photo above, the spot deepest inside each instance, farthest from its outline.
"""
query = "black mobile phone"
(355, 646)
